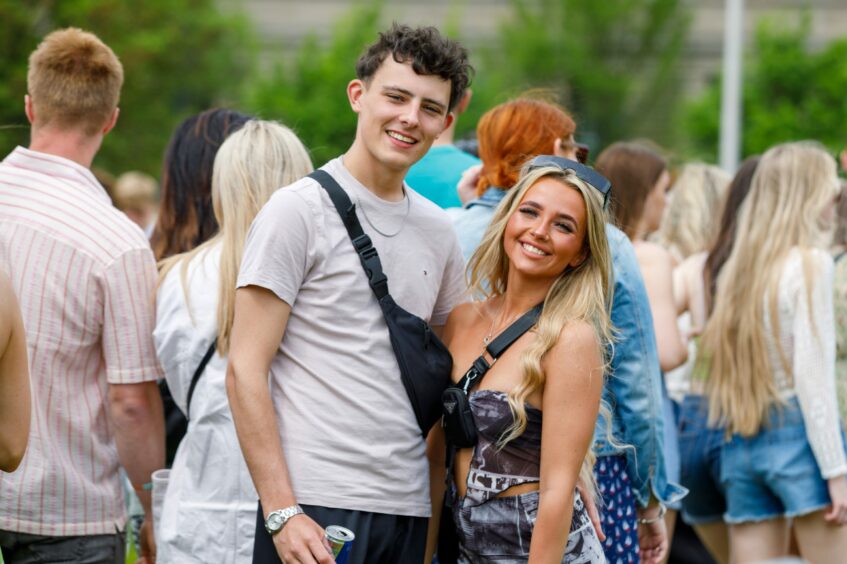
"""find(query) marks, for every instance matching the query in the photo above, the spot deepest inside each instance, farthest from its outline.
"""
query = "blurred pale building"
(282, 24)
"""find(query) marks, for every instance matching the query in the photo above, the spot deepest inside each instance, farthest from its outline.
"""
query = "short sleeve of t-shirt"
(128, 286)
(281, 244)
(453, 287)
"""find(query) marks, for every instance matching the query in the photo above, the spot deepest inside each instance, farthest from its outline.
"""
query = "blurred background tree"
(309, 92)
(791, 92)
(179, 57)
(614, 64)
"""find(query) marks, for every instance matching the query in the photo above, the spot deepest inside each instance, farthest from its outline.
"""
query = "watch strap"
(285, 514)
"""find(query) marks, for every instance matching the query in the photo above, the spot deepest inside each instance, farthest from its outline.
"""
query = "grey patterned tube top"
(493, 471)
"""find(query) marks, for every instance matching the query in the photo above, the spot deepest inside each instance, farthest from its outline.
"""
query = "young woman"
(514, 493)
(770, 345)
(641, 180)
(209, 512)
(694, 289)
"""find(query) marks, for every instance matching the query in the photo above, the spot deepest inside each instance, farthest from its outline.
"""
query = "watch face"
(275, 521)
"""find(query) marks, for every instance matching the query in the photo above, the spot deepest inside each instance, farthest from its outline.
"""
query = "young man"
(85, 277)
(335, 435)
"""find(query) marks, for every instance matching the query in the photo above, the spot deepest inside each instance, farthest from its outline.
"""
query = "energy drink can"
(341, 542)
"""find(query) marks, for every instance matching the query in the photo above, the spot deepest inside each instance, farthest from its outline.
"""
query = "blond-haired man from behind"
(85, 277)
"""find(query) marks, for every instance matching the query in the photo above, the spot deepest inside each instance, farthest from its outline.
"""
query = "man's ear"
(355, 90)
(112, 121)
(30, 113)
(448, 121)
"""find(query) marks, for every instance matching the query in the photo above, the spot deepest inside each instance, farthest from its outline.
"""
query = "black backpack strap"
(361, 242)
(196, 377)
(498, 346)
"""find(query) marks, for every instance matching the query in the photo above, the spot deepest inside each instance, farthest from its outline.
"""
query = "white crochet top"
(807, 339)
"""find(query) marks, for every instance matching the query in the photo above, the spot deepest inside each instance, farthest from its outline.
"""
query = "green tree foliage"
(614, 64)
(309, 92)
(179, 56)
(791, 92)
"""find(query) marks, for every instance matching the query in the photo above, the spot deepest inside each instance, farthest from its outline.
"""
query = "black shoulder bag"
(459, 425)
(176, 424)
(458, 422)
(425, 363)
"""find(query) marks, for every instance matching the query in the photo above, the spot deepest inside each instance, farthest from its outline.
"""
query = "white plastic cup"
(160, 487)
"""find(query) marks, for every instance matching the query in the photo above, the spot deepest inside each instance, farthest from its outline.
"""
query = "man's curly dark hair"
(427, 50)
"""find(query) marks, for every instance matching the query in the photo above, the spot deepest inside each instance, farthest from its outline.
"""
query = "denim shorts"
(773, 473)
(700, 448)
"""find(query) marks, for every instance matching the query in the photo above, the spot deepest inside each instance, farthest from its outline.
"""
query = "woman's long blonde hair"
(250, 166)
(581, 293)
(791, 187)
(689, 222)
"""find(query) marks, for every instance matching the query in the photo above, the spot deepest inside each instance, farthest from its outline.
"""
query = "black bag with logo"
(458, 422)
(425, 363)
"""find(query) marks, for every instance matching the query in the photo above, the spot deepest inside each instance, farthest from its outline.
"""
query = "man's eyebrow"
(441, 105)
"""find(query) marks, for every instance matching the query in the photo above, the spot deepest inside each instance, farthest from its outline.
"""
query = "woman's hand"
(653, 536)
(466, 188)
(838, 494)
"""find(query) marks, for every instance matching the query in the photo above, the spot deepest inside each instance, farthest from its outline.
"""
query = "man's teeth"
(533, 250)
(401, 137)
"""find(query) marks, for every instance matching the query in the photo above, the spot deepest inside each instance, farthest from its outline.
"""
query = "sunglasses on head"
(583, 172)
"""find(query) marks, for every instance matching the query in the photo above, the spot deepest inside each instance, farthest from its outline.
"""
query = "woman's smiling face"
(547, 231)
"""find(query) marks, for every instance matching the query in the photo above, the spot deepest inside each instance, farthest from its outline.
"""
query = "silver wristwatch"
(277, 519)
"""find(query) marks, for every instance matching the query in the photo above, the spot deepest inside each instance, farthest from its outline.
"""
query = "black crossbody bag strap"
(361, 242)
(196, 377)
(498, 346)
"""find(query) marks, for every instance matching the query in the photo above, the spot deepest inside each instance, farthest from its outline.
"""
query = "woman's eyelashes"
(563, 226)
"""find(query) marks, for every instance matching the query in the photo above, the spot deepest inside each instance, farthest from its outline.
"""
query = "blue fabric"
(633, 388)
(773, 473)
(670, 417)
(436, 175)
(618, 513)
(700, 449)
(472, 221)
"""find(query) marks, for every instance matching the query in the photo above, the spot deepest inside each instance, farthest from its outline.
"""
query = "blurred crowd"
(215, 366)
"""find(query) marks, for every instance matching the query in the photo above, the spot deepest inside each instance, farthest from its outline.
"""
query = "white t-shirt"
(348, 430)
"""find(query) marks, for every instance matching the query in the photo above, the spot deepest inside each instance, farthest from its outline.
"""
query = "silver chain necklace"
(377, 229)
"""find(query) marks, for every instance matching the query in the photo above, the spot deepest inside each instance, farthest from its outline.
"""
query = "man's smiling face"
(400, 113)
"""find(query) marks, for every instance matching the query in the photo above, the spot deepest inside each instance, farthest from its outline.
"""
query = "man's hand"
(591, 507)
(146, 542)
(652, 537)
(304, 541)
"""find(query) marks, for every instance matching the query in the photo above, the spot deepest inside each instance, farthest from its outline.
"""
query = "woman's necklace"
(488, 337)
(377, 229)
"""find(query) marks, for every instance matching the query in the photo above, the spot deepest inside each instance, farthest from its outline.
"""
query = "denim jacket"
(471, 221)
(633, 389)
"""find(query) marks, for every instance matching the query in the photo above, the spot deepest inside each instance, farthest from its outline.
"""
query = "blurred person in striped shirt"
(85, 277)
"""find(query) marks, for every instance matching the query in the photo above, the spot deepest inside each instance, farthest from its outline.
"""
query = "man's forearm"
(256, 426)
(136, 411)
